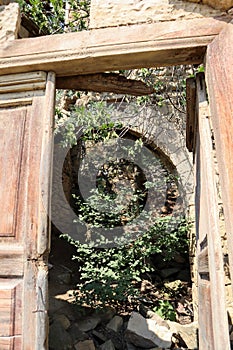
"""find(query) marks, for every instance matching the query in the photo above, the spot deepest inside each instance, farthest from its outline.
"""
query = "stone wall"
(111, 13)
(9, 22)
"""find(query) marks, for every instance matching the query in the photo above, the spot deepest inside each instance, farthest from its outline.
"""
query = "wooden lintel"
(111, 49)
(105, 82)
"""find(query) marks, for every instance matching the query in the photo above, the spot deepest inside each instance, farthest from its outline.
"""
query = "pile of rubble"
(137, 327)
(105, 330)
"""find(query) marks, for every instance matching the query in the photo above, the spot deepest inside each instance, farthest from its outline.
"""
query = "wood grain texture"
(105, 82)
(11, 135)
(191, 123)
(109, 49)
(10, 307)
(219, 73)
(11, 343)
(203, 262)
(11, 260)
(209, 224)
(206, 339)
(21, 79)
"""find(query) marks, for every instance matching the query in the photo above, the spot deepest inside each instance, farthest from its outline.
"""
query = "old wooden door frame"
(127, 47)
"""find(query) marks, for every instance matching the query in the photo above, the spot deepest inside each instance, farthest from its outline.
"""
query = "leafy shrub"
(165, 310)
(112, 275)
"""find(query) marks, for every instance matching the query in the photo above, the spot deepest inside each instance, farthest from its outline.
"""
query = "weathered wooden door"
(26, 122)
(213, 321)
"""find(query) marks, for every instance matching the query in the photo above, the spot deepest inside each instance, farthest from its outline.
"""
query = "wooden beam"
(105, 82)
(110, 49)
(191, 124)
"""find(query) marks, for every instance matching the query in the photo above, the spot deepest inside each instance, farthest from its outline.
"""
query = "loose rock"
(146, 333)
(77, 334)
(147, 313)
(89, 323)
(187, 332)
(65, 322)
(108, 345)
(85, 345)
(59, 338)
(107, 313)
(115, 324)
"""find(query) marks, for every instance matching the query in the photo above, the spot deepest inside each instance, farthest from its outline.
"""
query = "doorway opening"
(124, 165)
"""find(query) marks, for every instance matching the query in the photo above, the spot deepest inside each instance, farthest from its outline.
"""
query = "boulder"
(147, 333)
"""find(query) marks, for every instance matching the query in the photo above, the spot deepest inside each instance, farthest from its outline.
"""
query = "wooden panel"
(219, 71)
(111, 49)
(11, 260)
(10, 307)
(11, 343)
(11, 134)
(22, 79)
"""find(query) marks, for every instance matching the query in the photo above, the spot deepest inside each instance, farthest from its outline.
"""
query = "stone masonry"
(112, 13)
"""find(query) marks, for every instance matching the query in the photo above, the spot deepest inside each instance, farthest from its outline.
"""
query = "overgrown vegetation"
(113, 275)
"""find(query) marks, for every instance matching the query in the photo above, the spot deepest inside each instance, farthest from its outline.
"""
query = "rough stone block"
(146, 333)
(9, 22)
